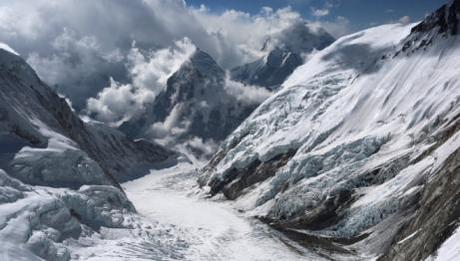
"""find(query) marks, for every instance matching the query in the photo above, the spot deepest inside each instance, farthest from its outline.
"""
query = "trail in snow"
(212, 230)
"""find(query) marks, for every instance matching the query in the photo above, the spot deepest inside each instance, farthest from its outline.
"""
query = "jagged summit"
(205, 64)
(194, 106)
(270, 71)
(446, 19)
(444, 22)
(285, 54)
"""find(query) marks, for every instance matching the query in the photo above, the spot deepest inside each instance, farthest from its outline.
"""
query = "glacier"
(348, 150)
(79, 190)
(355, 157)
(59, 176)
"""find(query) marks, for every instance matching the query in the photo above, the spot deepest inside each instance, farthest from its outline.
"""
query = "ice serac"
(359, 150)
(285, 54)
(36, 222)
(53, 145)
(195, 107)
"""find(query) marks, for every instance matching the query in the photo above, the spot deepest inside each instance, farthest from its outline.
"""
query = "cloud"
(77, 65)
(338, 27)
(405, 19)
(152, 70)
(78, 46)
(165, 132)
(326, 9)
(319, 12)
(246, 93)
(149, 72)
(117, 102)
(246, 32)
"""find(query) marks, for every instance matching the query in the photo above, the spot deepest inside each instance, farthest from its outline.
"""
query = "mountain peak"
(204, 63)
(445, 18)
(284, 55)
(443, 22)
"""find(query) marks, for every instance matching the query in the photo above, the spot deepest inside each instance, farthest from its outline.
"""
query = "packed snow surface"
(211, 229)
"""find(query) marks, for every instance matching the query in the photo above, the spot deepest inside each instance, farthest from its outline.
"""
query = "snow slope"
(31, 114)
(351, 145)
(59, 197)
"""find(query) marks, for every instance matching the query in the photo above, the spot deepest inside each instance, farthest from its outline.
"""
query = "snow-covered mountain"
(200, 105)
(358, 153)
(198, 108)
(33, 115)
(58, 175)
(285, 54)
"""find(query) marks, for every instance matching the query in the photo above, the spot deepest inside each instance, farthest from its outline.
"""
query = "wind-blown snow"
(8, 48)
(356, 107)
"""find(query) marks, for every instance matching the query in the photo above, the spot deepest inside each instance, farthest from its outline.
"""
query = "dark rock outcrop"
(444, 22)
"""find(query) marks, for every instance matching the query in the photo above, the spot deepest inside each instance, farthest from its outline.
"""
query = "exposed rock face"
(32, 114)
(435, 216)
(239, 179)
(444, 22)
(285, 55)
(360, 148)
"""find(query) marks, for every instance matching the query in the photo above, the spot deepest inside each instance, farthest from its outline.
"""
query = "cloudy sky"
(112, 56)
(360, 13)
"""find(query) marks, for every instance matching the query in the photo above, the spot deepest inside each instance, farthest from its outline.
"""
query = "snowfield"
(355, 138)
(59, 200)
(211, 229)
(101, 223)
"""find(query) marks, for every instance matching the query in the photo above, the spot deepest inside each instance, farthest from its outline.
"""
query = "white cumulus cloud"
(84, 48)
(149, 72)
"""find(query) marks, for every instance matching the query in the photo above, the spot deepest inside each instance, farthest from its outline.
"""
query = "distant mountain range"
(285, 53)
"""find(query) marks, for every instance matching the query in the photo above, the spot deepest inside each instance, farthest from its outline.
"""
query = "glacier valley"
(320, 149)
